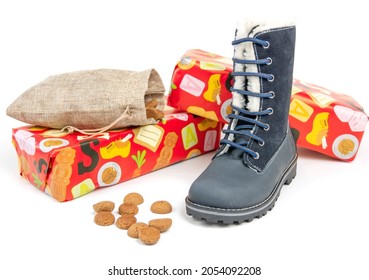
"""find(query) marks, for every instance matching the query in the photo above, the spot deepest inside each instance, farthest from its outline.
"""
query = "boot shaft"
(270, 54)
(258, 137)
(281, 51)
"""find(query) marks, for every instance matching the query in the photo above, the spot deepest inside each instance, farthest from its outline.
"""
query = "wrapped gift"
(67, 166)
(324, 121)
(200, 85)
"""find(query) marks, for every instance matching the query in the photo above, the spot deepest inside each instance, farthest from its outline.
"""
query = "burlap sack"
(90, 99)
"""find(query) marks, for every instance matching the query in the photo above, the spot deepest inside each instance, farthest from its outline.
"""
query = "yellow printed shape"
(300, 110)
(212, 66)
(149, 136)
(211, 115)
(82, 188)
(189, 136)
(193, 153)
(54, 133)
(206, 124)
(120, 147)
(322, 100)
(214, 87)
(319, 132)
(198, 111)
(36, 128)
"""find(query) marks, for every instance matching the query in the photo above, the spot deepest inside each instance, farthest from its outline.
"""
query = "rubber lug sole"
(237, 216)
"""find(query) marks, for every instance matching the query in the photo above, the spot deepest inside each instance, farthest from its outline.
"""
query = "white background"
(319, 226)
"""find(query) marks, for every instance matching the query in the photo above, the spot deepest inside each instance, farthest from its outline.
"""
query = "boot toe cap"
(214, 190)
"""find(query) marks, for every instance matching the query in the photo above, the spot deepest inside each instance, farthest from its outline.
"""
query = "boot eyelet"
(269, 61)
(267, 45)
(272, 94)
(256, 156)
(267, 127)
(270, 111)
(271, 78)
(262, 143)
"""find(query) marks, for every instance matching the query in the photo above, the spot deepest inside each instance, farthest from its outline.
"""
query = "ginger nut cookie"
(134, 229)
(161, 207)
(125, 221)
(104, 206)
(104, 218)
(128, 208)
(149, 235)
(134, 198)
(161, 224)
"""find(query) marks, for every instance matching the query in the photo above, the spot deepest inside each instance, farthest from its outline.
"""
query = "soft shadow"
(310, 154)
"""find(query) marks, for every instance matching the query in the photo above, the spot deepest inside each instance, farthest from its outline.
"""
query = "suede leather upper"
(235, 180)
(281, 51)
(228, 184)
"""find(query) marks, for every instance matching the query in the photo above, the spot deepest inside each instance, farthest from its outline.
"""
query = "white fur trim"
(248, 28)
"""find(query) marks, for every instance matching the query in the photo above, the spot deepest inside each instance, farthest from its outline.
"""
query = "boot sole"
(237, 216)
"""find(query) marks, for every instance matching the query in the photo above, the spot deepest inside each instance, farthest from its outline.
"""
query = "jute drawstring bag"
(92, 101)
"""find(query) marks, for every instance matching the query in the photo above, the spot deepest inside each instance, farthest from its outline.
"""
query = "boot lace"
(248, 120)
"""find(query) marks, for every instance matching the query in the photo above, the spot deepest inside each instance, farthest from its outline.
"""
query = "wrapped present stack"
(325, 121)
(67, 165)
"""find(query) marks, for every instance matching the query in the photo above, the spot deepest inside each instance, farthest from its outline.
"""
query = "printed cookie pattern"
(62, 171)
(166, 152)
(67, 166)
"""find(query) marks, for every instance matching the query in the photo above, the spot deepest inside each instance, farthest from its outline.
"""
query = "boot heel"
(291, 175)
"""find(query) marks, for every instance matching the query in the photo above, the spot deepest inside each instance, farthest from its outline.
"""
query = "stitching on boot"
(290, 166)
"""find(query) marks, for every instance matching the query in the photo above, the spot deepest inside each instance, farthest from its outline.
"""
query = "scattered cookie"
(161, 224)
(128, 208)
(134, 198)
(149, 235)
(104, 206)
(134, 229)
(104, 218)
(161, 207)
(125, 221)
